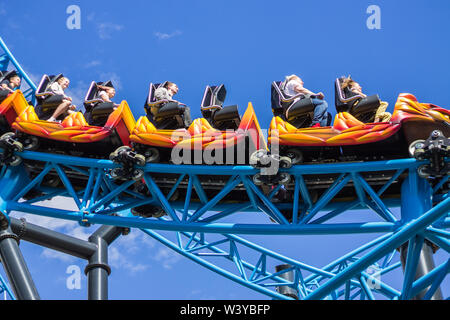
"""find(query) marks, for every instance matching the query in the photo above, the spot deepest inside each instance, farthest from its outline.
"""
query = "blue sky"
(245, 45)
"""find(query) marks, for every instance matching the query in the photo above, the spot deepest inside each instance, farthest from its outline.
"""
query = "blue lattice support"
(4, 289)
(102, 196)
(261, 277)
(417, 254)
(404, 234)
(8, 58)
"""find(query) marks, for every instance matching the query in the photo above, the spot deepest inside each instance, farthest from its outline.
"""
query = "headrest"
(151, 92)
(340, 80)
(220, 94)
(9, 74)
(106, 84)
(91, 95)
(276, 95)
(45, 83)
(277, 87)
(54, 78)
(214, 96)
(161, 85)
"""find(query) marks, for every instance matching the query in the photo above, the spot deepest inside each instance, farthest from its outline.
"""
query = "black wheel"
(8, 135)
(436, 134)
(416, 148)
(15, 161)
(152, 155)
(422, 171)
(159, 213)
(257, 179)
(119, 150)
(31, 143)
(18, 147)
(112, 156)
(258, 157)
(137, 175)
(285, 162)
(295, 155)
(140, 160)
(52, 182)
(115, 173)
(284, 178)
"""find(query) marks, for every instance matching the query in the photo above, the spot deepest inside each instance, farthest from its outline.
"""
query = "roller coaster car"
(192, 145)
(221, 118)
(362, 108)
(168, 115)
(350, 139)
(73, 135)
(243, 135)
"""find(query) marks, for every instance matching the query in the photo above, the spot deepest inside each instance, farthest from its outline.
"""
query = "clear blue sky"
(245, 45)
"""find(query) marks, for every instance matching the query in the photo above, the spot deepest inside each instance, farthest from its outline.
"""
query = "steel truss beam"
(204, 214)
(7, 58)
(259, 277)
(95, 251)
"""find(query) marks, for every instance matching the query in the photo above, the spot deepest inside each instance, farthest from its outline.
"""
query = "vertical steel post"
(15, 267)
(98, 269)
(416, 199)
(288, 276)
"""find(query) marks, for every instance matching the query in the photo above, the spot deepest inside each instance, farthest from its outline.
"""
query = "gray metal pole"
(288, 276)
(52, 239)
(416, 197)
(98, 269)
(15, 267)
(424, 266)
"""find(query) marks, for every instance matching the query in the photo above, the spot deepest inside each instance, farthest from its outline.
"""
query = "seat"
(3, 93)
(297, 110)
(47, 101)
(221, 118)
(362, 108)
(166, 114)
(97, 110)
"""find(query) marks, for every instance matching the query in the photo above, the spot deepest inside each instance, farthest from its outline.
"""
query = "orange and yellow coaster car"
(72, 130)
(411, 121)
(158, 145)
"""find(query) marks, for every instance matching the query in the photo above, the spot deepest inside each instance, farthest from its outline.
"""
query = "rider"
(107, 93)
(11, 82)
(65, 107)
(294, 86)
(352, 88)
(105, 108)
(167, 92)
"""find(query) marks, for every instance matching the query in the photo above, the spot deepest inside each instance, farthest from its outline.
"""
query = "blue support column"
(416, 197)
(416, 254)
